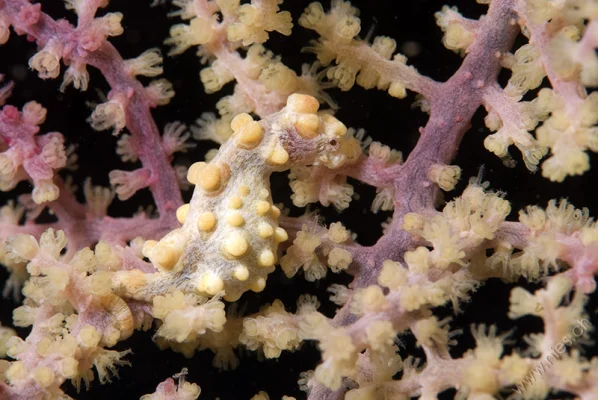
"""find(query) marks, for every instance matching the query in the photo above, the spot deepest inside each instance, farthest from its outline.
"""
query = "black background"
(392, 121)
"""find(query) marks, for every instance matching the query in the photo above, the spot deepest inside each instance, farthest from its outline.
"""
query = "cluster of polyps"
(229, 236)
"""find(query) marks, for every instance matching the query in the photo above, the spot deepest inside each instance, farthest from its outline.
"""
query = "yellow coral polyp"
(397, 89)
(445, 176)
(215, 77)
(312, 16)
(380, 335)
(182, 36)
(280, 78)
(348, 27)
(89, 336)
(393, 275)
(480, 379)
(369, 300)
(571, 163)
(338, 233)
(498, 144)
(23, 247)
(533, 217)
(418, 260)
(256, 20)
(17, 371)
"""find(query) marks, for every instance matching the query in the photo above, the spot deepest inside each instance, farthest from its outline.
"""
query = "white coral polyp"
(109, 115)
(45, 191)
(54, 153)
(76, 75)
(47, 61)
(563, 164)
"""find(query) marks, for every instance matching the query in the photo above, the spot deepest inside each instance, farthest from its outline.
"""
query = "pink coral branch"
(66, 207)
(407, 75)
(452, 108)
(583, 260)
(84, 45)
(9, 229)
(38, 155)
(506, 107)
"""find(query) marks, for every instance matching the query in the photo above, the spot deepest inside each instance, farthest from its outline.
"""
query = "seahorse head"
(315, 138)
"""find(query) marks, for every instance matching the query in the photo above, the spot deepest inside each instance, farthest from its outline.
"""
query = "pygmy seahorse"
(229, 237)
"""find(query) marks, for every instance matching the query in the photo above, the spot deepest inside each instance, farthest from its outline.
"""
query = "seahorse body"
(229, 236)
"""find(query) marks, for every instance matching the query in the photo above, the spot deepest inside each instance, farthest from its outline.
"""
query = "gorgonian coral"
(91, 276)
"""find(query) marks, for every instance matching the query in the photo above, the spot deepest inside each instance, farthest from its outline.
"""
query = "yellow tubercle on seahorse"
(229, 236)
